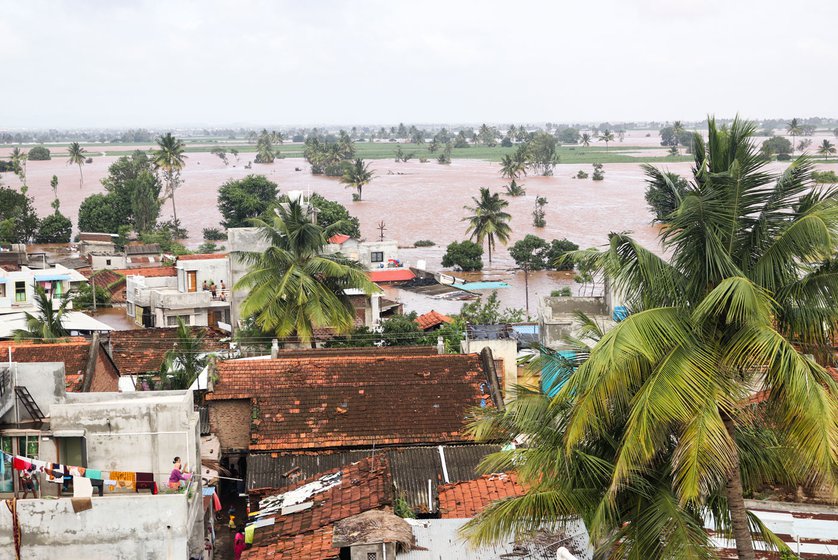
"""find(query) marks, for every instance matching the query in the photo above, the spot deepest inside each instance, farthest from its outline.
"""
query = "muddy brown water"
(415, 200)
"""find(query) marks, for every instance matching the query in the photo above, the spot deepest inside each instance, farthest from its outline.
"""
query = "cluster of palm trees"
(488, 220)
(659, 429)
(328, 158)
(265, 151)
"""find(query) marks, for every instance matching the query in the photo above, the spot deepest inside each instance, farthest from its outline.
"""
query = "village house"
(93, 242)
(115, 502)
(326, 408)
(177, 293)
(17, 286)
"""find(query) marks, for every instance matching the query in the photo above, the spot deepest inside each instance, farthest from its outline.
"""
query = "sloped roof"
(148, 272)
(143, 350)
(110, 280)
(73, 352)
(339, 238)
(202, 256)
(355, 400)
(391, 275)
(466, 499)
(431, 319)
(307, 534)
(139, 249)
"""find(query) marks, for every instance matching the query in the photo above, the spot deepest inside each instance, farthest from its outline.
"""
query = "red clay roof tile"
(202, 256)
(143, 350)
(431, 319)
(463, 500)
(353, 400)
(148, 272)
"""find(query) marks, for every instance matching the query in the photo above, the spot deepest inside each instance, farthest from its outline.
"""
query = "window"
(107, 262)
(377, 256)
(171, 320)
(372, 556)
(130, 309)
(2, 289)
(20, 291)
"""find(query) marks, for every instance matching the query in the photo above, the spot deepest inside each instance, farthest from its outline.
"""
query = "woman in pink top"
(176, 478)
(238, 543)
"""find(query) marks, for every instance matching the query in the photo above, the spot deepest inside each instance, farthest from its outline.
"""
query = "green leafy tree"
(264, 148)
(19, 159)
(76, 155)
(826, 148)
(55, 228)
(538, 213)
(334, 217)
(598, 174)
(655, 419)
(489, 312)
(514, 189)
(185, 360)
(145, 204)
(97, 214)
(512, 168)
(39, 153)
(53, 183)
(557, 251)
(465, 255)
(47, 325)
(585, 139)
(488, 220)
(541, 153)
(776, 145)
(125, 176)
(241, 200)
(530, 253)
(568, 135)
(169, 158)
(357, 175)
(83, 297)
(17, 216)
(294, 288)
(664, 191)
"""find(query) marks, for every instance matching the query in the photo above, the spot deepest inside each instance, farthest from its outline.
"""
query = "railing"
(5, 382)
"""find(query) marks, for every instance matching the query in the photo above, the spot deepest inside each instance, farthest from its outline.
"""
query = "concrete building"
(371, 254)
(107, 260)
(557, 317)
(17, 286)
(133, 432)
(92, 242)
(159, 301)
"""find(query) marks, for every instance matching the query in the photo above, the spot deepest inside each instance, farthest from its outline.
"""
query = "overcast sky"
(87, 63)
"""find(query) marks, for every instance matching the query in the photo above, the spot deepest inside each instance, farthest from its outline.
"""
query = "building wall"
(125, 527)
(107, 262)
(505, 351)
(211, 270)
(382, 551)
(230, 421)
(45, 382)
(240, 240)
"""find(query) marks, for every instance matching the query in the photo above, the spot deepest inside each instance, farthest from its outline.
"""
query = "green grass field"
(364, 150)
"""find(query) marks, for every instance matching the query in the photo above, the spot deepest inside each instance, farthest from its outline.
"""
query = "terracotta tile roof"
(73, 352)
(143, 350)
(431, 319)
(361, 351)
(391, 275)
(463, 500)
(111, 280)
(307, 534)
(202, 256)
(355, 400)
(339, 238)
(148, 272)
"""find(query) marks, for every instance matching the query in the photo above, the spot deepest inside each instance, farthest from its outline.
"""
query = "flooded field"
(415, 201)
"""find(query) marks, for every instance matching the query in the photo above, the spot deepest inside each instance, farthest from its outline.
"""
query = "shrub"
(214, 234)
(825, 176)
(783, 157)
(581, 175)
(424, 243)
(39, 153)
(564, 292)
(209, 247)
(506, 143)
(599, 173)
(55, 228)
(465, 255)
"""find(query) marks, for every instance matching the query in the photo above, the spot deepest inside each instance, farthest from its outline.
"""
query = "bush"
(55, 228)
(424, 243)
(214, 234)
(209, 247)
(776, 145)
(599, 173)
(465, 255)
(783, 157)
(581, 175)
(506, 143)
(824, 176)
(39, 153)
(558, 247)
(243, 199)
(564, 292)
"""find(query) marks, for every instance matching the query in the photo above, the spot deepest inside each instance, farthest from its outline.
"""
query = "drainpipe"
(274, 349)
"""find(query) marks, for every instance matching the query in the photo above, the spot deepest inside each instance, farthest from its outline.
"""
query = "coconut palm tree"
(657, 414)
(169, 159)
(19, 158)
(185, 360)
(585, 139)
(294, 288)
(78, 156)
(264, 148)
(47, 324)
(606, 136)
(826, 148)
(356, 175)
(488, 221)
(512, 167)
(795, 129)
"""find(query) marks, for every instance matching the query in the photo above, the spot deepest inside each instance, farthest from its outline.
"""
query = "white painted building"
(17, 287)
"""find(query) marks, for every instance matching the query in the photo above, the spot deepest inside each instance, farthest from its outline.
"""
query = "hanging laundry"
(145, 481)
(21, 463)
(93, 473)
(76, 471)
(126, 480)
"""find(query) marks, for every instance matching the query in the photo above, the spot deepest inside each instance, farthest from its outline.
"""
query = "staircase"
(29, 404)
(7, 400)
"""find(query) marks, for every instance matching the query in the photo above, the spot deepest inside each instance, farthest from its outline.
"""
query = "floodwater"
(415, 201)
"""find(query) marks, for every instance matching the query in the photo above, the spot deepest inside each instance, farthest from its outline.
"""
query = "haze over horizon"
(152, 64)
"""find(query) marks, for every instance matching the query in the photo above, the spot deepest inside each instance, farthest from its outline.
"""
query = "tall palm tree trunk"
(81, 177)
(736, 504)
(490, 243)
(174, 213)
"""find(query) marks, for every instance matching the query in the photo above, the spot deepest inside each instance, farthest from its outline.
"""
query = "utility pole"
(381, 229)
(93, 289)
(527, 289)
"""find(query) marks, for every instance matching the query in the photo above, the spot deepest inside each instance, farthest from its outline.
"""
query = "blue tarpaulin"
(51, 277)
(555, 372)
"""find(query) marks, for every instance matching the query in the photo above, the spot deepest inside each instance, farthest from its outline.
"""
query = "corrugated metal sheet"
(203, 415)
(411, 467)
(439, 539)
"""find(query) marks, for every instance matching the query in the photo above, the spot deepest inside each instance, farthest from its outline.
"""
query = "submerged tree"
(606, 136)
(826, 148)
(488, 220)
(356, 175)
(169, 158)
(77, 156)
(794, 129)
(294, 288)
(653, 431)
